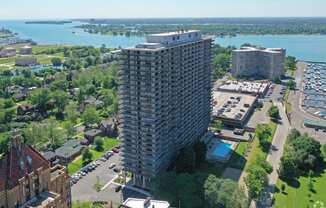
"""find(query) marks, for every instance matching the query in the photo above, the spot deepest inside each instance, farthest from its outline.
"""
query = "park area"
(298, 195)
(302, 173)
(77, 164)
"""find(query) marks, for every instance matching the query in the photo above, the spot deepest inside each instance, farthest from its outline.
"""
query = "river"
(304, 47)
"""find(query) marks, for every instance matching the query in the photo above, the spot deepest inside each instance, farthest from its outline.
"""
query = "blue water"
(304, 47)
(222, 150)
(66, 34)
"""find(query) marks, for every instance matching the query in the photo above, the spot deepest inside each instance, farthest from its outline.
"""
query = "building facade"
(266, 63)
(165, 100)
(28, 180)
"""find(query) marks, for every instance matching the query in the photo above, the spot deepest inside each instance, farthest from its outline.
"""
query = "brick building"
(28, 180)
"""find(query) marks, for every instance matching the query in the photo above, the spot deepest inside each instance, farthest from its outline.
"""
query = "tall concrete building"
(165, 100)
(250, 62)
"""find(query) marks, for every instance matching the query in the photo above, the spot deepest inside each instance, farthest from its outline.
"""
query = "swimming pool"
(222, 150)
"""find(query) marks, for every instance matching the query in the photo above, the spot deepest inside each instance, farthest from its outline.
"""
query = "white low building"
(145, 203)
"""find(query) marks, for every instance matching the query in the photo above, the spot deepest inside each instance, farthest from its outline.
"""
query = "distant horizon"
(104, 9)
(134, 18)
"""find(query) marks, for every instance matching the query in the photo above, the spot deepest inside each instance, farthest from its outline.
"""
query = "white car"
(112, 165)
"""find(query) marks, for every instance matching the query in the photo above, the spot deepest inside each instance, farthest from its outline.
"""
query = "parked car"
(117, 170)
(117, 188)
(103, 159)
(115, 150)
(112, 165)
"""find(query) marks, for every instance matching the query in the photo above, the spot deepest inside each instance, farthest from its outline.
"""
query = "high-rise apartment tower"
(165, 100)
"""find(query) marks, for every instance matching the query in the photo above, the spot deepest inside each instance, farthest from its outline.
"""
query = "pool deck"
(213, 144)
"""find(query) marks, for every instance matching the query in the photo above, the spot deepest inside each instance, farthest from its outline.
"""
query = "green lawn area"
(86, 204)
(77, 164)
(46, 59)
(299, 195)
(237, 159)
(43, 48)
(8, 60)
(256, 148)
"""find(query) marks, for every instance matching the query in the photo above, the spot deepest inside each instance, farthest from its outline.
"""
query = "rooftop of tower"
(161, 40)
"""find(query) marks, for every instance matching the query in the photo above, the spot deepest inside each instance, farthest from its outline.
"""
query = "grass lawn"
(237, 159)
(86, 204)
(46, 59)
(38, 49)
(256, 148)
(8, 60)
(77, 163)
(299, 195)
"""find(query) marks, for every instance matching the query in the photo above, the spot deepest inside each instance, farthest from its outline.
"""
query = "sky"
(63, 9)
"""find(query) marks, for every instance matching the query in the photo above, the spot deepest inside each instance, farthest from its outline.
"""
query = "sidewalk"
(275, 154)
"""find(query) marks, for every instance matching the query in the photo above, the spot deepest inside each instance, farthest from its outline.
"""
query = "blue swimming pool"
(222, 150)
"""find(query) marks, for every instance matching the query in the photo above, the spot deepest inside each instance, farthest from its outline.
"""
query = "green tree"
(256, 180)
(36, 134)
(4, 143)
(164, 187)
(308, 152)
(99, 142)
(5, 83)
(90, 115)
(59, 84)
(274, 113)
(71, 112)
(60, 101)
(291, 84)
(56, 134)
(260, 161)
(217, 125)
(288, 166)
(56, 61)
(224, 193)
(40, 97)
(263, 133)
(290, 63)
(87, 156)
(8, 103)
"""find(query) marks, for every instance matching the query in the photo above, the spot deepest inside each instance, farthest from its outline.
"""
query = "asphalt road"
(274, 156)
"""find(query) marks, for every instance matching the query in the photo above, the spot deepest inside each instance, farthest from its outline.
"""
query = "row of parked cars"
(84, 171)
(93, 165)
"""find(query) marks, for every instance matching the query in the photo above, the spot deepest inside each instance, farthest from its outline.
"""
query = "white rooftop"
(139, 203)
(262, 49)
(176, 33)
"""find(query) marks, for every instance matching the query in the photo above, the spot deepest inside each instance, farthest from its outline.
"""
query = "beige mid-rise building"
(265, 63)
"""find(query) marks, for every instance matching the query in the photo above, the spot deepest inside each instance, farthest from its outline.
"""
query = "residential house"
(69, 151)
(109, 128)
(91, 134)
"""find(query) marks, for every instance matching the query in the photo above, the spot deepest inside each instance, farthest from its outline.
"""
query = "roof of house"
(20, 160)
(49, 155)
(70, 148)
(107, 123)
(92, 132)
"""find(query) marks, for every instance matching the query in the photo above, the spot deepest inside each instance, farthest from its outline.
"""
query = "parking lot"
(84, 189)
